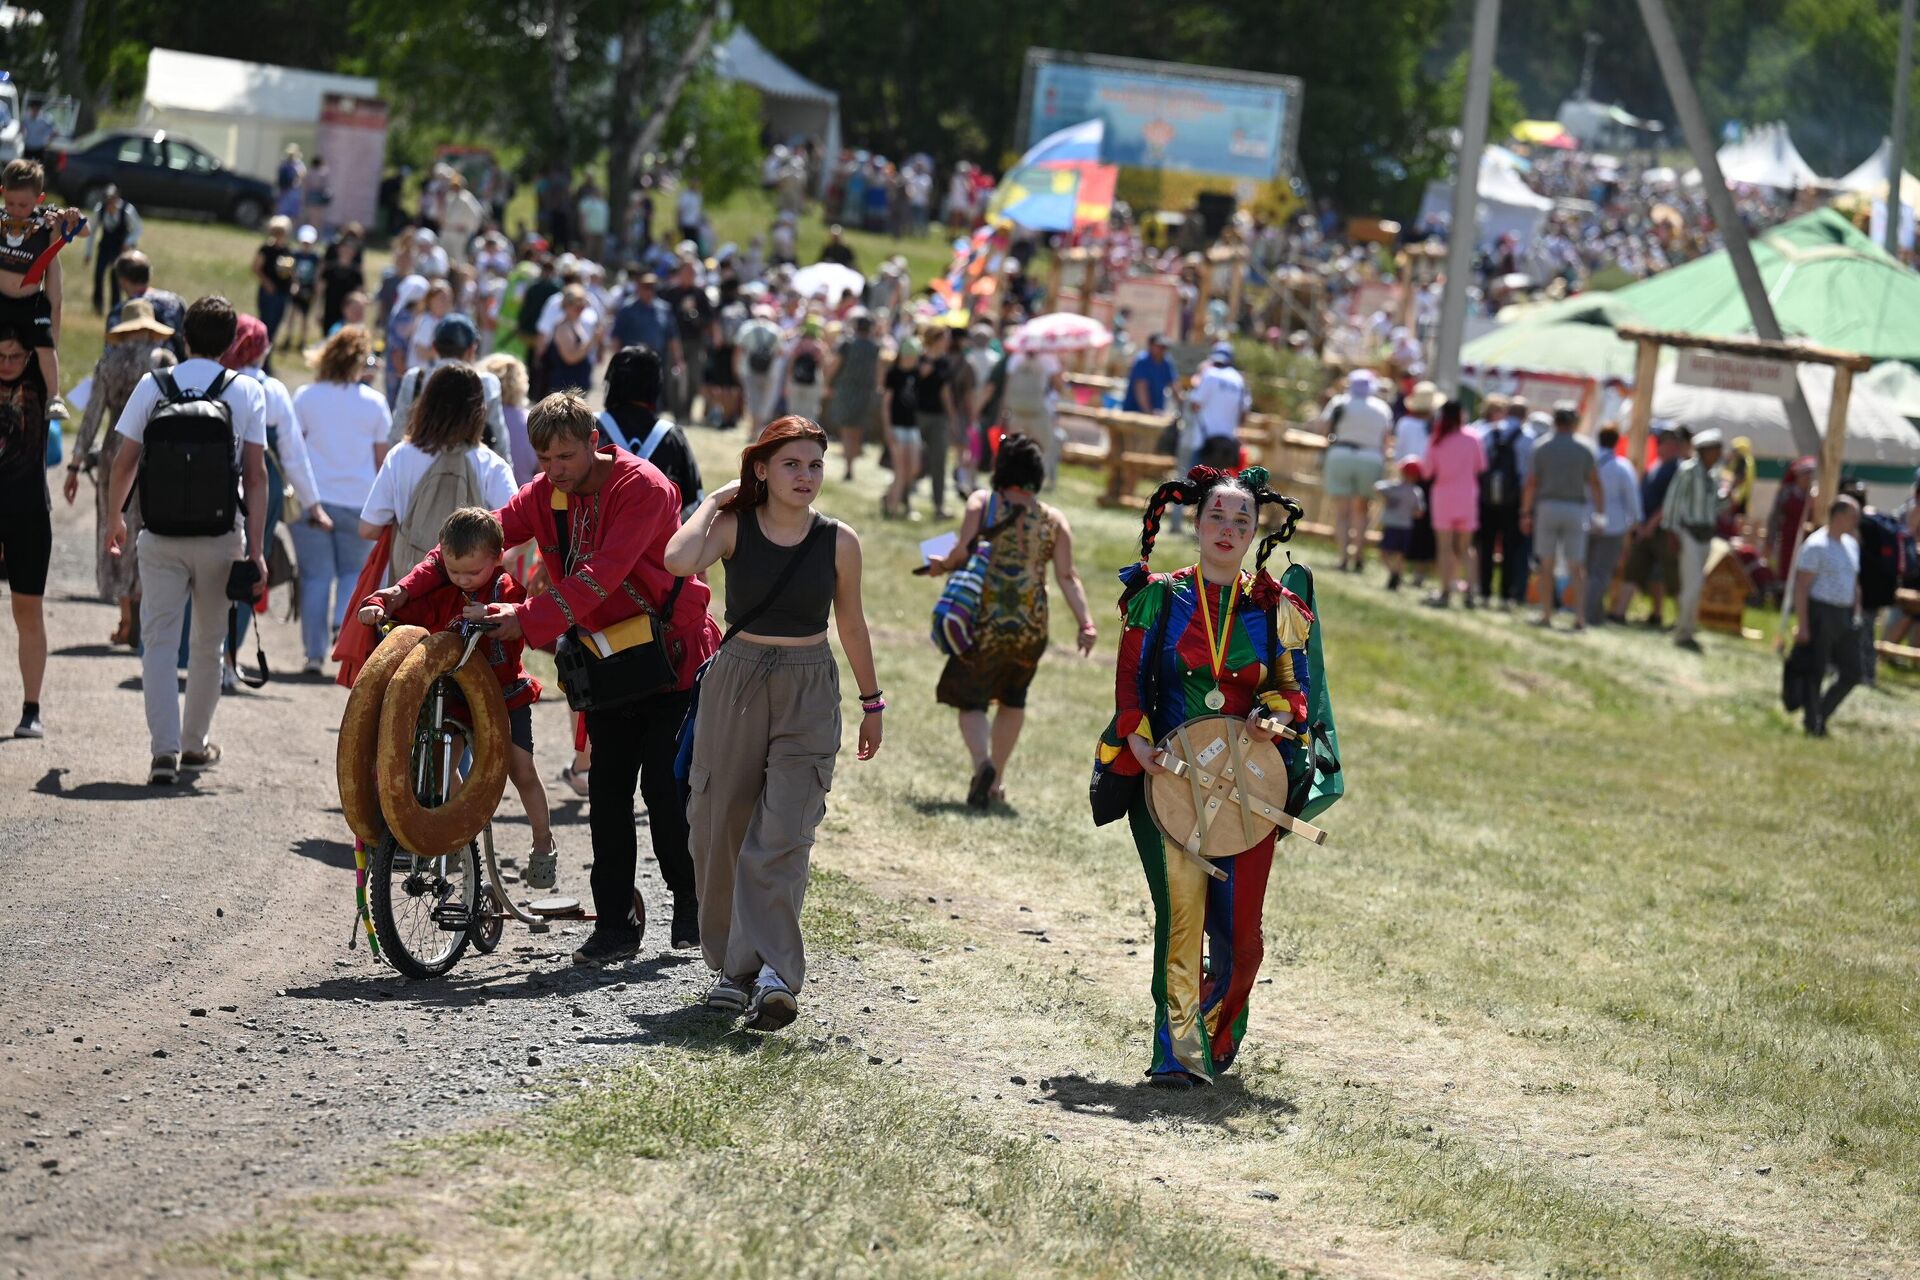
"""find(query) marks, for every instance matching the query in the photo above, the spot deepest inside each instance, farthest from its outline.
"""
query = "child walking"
(459, 578)
(1401, 503)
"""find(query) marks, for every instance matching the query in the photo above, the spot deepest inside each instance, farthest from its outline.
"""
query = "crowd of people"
(1513, 507)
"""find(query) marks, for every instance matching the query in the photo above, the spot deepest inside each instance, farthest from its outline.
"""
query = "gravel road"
(188, 1030)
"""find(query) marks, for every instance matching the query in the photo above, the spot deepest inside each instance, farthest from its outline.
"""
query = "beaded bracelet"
(874, 707)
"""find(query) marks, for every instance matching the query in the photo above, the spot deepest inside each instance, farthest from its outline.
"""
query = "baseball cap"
(1708, 439)
(454, 334)
(1223, 352)
(307, 234)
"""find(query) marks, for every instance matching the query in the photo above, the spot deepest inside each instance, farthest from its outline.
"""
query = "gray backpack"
(448, 485)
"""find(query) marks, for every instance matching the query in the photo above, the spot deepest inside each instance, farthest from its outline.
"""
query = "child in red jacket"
(467, 571)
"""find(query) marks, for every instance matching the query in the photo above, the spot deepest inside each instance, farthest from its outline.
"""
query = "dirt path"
(125, 1116)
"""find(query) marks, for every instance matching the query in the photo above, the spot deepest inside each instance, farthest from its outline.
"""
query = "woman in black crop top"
(768, 727)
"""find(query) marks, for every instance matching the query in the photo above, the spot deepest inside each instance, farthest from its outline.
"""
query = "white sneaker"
(541, 867)
(314, 667)
(229, 680)
(774, 1004)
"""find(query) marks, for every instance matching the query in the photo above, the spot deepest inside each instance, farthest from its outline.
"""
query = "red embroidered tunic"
(606, 554)
(435, 603)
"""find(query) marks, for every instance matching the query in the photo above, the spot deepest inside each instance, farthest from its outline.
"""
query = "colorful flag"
(1073, 144)
(1058, 196)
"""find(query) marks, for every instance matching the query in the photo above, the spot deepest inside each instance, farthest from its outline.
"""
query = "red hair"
(778, 434)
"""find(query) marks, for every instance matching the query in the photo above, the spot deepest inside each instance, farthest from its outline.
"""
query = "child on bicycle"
(30, 240)
(465, 570)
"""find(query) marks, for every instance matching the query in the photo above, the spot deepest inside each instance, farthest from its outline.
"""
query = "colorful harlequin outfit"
(1206, 936)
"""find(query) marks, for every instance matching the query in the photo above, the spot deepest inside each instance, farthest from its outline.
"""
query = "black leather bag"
(598, 682)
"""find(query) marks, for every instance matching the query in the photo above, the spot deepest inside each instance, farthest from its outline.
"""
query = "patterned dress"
(121, 367)
(1011, 630)
(1206, 933)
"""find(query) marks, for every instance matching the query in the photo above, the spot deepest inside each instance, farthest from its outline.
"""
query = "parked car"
(155, 170)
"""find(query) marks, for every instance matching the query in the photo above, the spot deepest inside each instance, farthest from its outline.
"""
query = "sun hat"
(410, 289)
(1424, 398)
(136, 316)
(1708, 439)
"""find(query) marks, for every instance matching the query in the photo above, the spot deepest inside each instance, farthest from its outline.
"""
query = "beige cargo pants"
(764, 746)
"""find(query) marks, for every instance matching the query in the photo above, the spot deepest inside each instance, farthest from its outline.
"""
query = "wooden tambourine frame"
(1223, 790)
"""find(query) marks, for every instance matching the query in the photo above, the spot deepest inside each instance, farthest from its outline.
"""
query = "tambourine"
(1224, 790)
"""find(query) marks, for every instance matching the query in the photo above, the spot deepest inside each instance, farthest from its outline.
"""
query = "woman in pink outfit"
(1453, 463)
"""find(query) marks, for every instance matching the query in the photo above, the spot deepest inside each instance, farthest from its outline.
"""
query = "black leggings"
(633, 744)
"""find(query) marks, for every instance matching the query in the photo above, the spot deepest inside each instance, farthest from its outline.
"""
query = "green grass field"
(1606, 970)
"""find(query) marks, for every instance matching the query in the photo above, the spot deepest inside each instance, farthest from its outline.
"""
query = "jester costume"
(1180, 632)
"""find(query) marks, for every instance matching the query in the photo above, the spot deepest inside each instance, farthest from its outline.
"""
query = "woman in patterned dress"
(1206, 640)
(134, 349)
(1010, 632)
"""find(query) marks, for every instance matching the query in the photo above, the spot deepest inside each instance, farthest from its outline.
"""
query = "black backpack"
(1883, 545)
(189, 480)
(1500, 483)
(806, 369)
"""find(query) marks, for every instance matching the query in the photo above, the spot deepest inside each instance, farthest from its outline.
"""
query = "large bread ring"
(354, 754)
(436, 832)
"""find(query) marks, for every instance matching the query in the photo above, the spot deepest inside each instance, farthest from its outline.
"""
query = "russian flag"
(1079, 142)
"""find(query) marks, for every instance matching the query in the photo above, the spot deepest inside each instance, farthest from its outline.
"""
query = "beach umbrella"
(1062, 331)
(829, 278)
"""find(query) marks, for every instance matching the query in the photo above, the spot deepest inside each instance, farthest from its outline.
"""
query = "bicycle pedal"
(453, 918)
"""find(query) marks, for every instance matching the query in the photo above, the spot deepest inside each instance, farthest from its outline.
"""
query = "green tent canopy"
(1829, 284)
(1573, 337)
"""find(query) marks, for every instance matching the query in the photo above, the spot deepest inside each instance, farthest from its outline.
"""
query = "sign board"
(1152, 303)
(1748, 374)
(353, 137)
(1167, 116)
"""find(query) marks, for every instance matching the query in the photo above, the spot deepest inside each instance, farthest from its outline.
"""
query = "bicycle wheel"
(491, 919)
(423, 908)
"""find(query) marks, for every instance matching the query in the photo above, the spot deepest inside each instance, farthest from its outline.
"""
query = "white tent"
(245, 113)
(1507, 206)
(793, 107)
(1877, 435)
(1764, 157)
(1869, 177)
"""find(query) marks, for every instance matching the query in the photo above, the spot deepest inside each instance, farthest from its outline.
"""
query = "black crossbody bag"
(599, 682)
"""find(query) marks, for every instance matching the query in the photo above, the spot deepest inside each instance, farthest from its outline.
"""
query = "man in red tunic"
(601, 518)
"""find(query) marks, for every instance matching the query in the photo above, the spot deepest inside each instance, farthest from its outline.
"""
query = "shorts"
(1351, 472)
(1560, 530)
(32, 316)
(904, 436)
(520, 727)
(1654, 561)
(26, 544)
(1397, 540)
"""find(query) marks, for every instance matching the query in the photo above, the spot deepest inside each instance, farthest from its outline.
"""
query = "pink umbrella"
(1061, 331)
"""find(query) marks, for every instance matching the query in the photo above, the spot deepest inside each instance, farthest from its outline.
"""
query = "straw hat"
(1425, 398)
(136, 316)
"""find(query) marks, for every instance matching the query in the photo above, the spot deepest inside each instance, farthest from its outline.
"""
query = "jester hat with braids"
(1192, 492)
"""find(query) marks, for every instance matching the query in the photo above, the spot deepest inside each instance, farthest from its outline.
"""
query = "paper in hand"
(938, 548)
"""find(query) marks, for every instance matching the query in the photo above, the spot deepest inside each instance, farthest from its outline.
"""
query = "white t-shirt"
(687, 207)
(243, 396)
(1835, 566)
(406, 466)
(295, 467)
(552, 313)
(1361, 421)
(340, 423)
(1220, 401)
(1410, 437)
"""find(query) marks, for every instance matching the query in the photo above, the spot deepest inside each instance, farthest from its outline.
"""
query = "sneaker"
(541, 868)
(686, 922)
(1689, 644)
(728, 996)
(608, 944)
(201, 759)
(774, 1005)
(30, 726)
(1393, 582)
(229, 680)
(164, 770)
(313, 667)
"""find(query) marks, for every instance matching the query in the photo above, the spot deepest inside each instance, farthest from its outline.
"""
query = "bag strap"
(612, 431)
(169, 389)
(779, 584)
(652, 442)
(233, 649)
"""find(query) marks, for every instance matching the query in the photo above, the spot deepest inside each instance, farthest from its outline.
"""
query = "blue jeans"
(330, 563)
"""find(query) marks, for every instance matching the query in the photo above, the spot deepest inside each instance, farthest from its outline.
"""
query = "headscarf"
(1739, 467)
(249, 345)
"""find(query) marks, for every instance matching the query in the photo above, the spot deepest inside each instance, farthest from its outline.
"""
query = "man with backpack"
(1886, 555)
(455, 341)
(1509, 451)
(757, 353)
(195, 440)
(633, 421)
